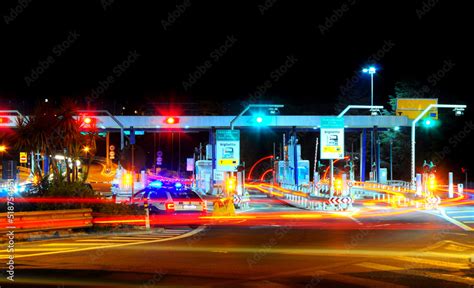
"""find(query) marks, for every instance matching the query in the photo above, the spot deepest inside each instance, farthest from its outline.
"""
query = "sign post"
(332, 143)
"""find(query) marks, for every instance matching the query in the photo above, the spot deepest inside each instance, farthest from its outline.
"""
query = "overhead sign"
(227, 149)
(23, 157)
(332, 138)
(412, 107)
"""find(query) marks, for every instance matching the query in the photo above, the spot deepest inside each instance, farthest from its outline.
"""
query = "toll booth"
(284, 173)
(203, 176)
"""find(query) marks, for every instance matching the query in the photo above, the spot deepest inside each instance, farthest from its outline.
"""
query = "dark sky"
(163, 50)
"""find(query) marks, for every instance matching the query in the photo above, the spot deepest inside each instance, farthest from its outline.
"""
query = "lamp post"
(458, 110)
(371, 70)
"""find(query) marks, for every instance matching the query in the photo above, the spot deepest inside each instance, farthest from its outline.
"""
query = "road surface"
(386, 251)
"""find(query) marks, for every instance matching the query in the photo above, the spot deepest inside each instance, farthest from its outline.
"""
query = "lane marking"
(108, 240)
(434, 262)
(193, 232)
(425, 274)
(462, 217)
(454, 221)
(460, 211)
(364, 282)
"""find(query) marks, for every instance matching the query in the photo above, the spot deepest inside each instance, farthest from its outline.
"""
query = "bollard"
(460, 189)
(450, 185)
(419, 186)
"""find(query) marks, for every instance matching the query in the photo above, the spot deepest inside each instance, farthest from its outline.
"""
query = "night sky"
(151, 50)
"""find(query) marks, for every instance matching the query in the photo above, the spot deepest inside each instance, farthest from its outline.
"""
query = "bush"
(73, 193)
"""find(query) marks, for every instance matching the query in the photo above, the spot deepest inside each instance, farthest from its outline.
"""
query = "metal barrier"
(47, 220)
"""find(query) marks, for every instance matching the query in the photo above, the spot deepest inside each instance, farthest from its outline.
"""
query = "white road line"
(454, 221)
(463, 217)
(423, 273)
(460, 211)
(191, 233)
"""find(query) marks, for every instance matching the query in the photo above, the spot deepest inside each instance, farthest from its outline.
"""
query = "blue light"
(178, 185)
(259, 119)
(156, 184)
(427, 122)
(370, 70)
(396, 128)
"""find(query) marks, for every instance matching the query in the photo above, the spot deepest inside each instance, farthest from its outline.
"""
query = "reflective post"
(450, 185)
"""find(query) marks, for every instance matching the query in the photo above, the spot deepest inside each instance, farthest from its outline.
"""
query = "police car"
(169, 198)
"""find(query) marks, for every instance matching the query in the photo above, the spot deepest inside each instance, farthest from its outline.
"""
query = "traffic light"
(429, 123)
(88, 123)
(171, 120)
(432, 182)
(230, 184)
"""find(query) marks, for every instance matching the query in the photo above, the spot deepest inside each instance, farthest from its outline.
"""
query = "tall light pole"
(371, 71)
(458, 110)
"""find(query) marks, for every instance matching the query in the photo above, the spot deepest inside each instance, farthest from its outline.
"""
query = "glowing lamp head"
(370, 70)
(87, 120)
(178, 185)
(3, 148)
(428, 122)
(259, 119)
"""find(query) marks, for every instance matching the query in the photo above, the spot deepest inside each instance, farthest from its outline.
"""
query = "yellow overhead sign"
(412, 107)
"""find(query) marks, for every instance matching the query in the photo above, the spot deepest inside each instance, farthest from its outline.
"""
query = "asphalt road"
(389, 251)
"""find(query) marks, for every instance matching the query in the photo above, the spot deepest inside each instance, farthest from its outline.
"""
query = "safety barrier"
(46, 220)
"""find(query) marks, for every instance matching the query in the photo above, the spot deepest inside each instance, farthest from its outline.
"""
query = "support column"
(377, 154)
(363, 152)
(212, 141)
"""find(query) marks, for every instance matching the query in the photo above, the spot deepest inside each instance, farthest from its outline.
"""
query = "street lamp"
(458, 111)
(3, 148)
(371, 70)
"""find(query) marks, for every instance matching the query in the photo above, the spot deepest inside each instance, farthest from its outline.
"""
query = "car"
(169, 199)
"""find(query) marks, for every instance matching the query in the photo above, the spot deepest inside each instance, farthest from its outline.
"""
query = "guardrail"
(47, 220)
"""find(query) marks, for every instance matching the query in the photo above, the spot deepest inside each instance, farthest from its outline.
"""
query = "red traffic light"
(171, 120)
(4, 120)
